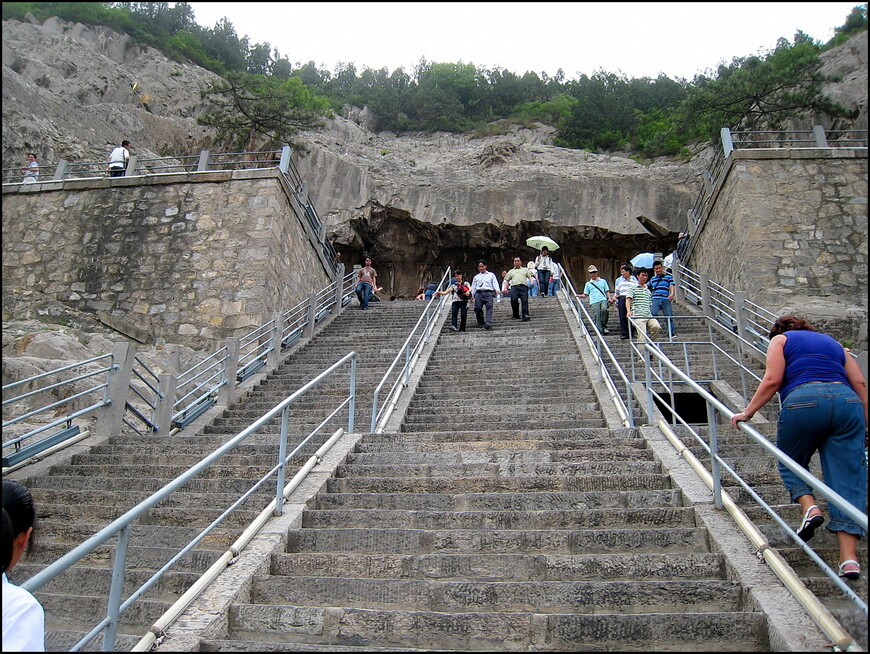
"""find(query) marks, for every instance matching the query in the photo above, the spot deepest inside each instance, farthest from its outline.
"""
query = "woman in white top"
(544, 263)
(23, 617)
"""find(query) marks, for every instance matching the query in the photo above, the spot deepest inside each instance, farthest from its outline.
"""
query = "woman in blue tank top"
(824, 408)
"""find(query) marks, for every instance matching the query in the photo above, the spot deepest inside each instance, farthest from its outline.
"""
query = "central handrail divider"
(599, 348)
(122, 526)
(431, 311)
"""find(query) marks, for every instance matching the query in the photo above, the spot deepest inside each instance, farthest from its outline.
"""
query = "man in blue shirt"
(662, 286)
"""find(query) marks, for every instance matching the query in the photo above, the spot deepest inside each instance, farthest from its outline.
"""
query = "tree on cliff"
(251, 111)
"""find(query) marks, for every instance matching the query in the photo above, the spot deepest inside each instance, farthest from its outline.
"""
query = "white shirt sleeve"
(23, 620)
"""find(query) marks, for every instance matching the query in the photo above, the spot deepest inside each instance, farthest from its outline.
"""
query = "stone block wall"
(790, 228)
(185, 259)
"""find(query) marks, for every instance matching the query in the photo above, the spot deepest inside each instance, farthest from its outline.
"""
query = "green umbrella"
(539, 242)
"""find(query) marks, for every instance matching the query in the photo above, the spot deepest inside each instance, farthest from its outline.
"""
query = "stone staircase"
(758, 469)
(503, 515)
(76, 499)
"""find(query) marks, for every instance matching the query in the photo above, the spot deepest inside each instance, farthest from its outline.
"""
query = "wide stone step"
(543, 597)
(146, 459)
(44, 497)
(236, 485)
(497, 484)
(609, 566)
(91, 580)
(141, 534)
(489, 631)
(558, 450)
(620, 436)
(510, 519)
(149, 558)
(76, 608)
(499, 541)
(499, 456)
(173, 516)
(562, 469)
(133, 472)
(63, 640)
(491, 421)
(647, 499)
(528, 408)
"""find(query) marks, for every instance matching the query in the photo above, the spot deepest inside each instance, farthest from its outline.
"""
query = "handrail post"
(351, 407)
(117, 586)
(131, 166)
(202, 164)
(60, 171)
(679, 291)
(162, 415)
(339, 291)
(286, 154)
(227, 393)
(308, 332)
(714, 452)
(112, 415)
(649, 392)
(706, 304)
(282, 455)
(819, 138)
(277, 336)
(727, 141)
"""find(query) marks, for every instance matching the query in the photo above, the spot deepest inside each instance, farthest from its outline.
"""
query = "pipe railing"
(601, 353)
(410, 351)
(122, 526)
(715, 410)
(18, 402)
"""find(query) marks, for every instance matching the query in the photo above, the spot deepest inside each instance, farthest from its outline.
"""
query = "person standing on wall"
(662, 286)
(23, 615)
(544, 264)
(519, 277)
(823, 395)
(459, 306)
(484, 288)
(599, 294)
(118, 159)
(366, 283)
(30, 169)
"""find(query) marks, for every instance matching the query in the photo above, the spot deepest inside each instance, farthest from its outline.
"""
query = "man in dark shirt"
(662, 286)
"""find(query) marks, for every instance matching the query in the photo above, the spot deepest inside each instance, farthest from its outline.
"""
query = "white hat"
(592, 269)
(531, 264)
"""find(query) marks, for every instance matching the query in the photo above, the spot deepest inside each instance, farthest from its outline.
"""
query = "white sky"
(635, 38)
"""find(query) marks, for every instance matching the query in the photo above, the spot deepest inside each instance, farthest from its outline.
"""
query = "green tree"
(248, 109)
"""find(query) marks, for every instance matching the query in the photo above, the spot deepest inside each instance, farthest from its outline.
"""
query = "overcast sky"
(637, 39)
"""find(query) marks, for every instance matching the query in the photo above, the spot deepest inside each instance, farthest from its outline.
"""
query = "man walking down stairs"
(499, 518)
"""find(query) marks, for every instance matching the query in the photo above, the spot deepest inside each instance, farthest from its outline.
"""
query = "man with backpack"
(459, 307)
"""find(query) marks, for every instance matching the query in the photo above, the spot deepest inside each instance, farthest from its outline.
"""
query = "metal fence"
(817, 137)
(122, 526)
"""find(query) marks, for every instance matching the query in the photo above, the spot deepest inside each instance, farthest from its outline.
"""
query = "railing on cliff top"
(205, 161)
(120, 388)
(817, 137)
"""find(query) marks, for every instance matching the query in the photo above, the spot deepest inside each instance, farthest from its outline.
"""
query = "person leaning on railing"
(824, 408)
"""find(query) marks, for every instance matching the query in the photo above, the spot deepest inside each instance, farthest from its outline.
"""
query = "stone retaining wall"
(790, 228)
(188, 258)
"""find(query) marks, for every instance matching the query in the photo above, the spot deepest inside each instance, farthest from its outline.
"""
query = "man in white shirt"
(119, 158)
(484, 288)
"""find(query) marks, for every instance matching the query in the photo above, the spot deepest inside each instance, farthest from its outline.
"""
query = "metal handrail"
(122, 525)
(411, 353)
(717, 408)
(98, 389)
(600, 350)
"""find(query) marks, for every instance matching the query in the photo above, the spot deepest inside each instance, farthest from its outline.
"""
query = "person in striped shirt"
(638, 301)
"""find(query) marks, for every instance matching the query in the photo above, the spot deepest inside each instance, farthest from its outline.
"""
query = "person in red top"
(824, 407)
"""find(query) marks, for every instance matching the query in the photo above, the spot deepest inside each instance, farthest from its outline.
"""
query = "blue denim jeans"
(663, 305)
(827, 417)
(543, 282)
(554, 286)
(363, 293)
